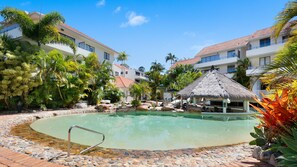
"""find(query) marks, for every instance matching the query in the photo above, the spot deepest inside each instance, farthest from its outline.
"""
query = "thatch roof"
(214, 85)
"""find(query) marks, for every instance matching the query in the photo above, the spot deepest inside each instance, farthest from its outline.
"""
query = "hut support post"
(181, 102)
(225, 106)
(194, 100)
(246, 106)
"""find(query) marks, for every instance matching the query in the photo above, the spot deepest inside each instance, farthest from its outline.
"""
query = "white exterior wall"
(131, 73)
(99, 49)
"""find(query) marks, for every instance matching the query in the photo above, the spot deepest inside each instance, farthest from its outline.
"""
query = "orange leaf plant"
(277, 115)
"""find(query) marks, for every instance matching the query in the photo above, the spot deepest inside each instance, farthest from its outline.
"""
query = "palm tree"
(158, 67)
(283, 68)
(171, 57)
(240, 74)
(141, 69)
(155, 78)
(285, 17)
(122, 57)
(42, 31)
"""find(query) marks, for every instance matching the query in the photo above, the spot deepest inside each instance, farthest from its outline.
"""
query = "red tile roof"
(266, 32)
(191, 61)
(121, 67)
(122, 82)
(232, 44)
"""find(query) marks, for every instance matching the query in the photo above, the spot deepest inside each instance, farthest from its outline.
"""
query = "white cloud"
(100, 3)
(118, 9)
(198, 47)
(25, 3)
(189, 34)
(134, 20)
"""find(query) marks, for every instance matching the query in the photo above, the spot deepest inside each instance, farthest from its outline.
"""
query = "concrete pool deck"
(237, 155)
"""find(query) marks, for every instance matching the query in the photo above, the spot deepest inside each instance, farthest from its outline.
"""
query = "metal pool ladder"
(89, 130)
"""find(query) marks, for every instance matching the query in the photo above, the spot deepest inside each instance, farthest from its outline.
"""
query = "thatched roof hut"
(214, 85)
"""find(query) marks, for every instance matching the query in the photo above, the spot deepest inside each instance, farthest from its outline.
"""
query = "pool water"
(151, 130)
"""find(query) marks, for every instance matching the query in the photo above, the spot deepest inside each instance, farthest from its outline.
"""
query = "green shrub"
(289, 157)
(260, 139)
(135, 103)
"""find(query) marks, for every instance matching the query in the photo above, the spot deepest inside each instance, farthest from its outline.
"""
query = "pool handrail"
(89, 130)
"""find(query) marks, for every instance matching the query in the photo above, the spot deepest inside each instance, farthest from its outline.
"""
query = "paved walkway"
(14, 159)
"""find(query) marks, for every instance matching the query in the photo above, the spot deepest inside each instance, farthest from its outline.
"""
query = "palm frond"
(285, 16)
(70, 43)
(53, 18)
(12, 16)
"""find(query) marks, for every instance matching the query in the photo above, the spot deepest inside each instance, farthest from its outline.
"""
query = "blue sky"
(150, 29)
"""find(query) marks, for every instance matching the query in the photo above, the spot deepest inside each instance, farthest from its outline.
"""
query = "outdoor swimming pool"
(151, 130)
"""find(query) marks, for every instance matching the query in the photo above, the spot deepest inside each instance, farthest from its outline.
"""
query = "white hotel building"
(124, 77)
(260, 48)
(85, 44)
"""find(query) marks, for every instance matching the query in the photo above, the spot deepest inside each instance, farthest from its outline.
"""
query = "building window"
(106, 56)
(137, 73)
(87, 47)
(264, 42)
(264, 61)
(285, 38)
(116, 73)
(210, 58)
(249, 46)
(122, 72)
(68, 37)
(231, 69)
(126, 72)
(8, 28)
(231, 53)
(90, 48)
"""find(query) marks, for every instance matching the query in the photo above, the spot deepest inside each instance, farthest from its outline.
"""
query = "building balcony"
(66, 49)
(267, 50)
(221, 61)
(138, 77)
(255, 71)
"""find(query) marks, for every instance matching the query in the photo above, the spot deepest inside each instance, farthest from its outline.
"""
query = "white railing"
(258, 51)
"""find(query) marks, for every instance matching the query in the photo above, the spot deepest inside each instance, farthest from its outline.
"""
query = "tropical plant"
(240, 74)
(155, 78)
(100, 77)
(135, 103)
(284, 66)
(184, 80)
(139, 90)
(42, 31)
(16, 69)
(284, 17)
(157, 67)
(180, 76)
(171, 57)
(141, 69)
(289, 152)
(123, 56)
(260, 138)
(278, 114)
(112, 93)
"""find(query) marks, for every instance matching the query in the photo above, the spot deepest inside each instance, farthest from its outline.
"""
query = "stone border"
(214, 156)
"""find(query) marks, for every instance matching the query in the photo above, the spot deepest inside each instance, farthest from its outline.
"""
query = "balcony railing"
(266, 50)
(254, 71)
(221, 58)
(221, 61)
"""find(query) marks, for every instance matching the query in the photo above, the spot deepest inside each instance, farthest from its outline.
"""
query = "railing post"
(89, 130)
